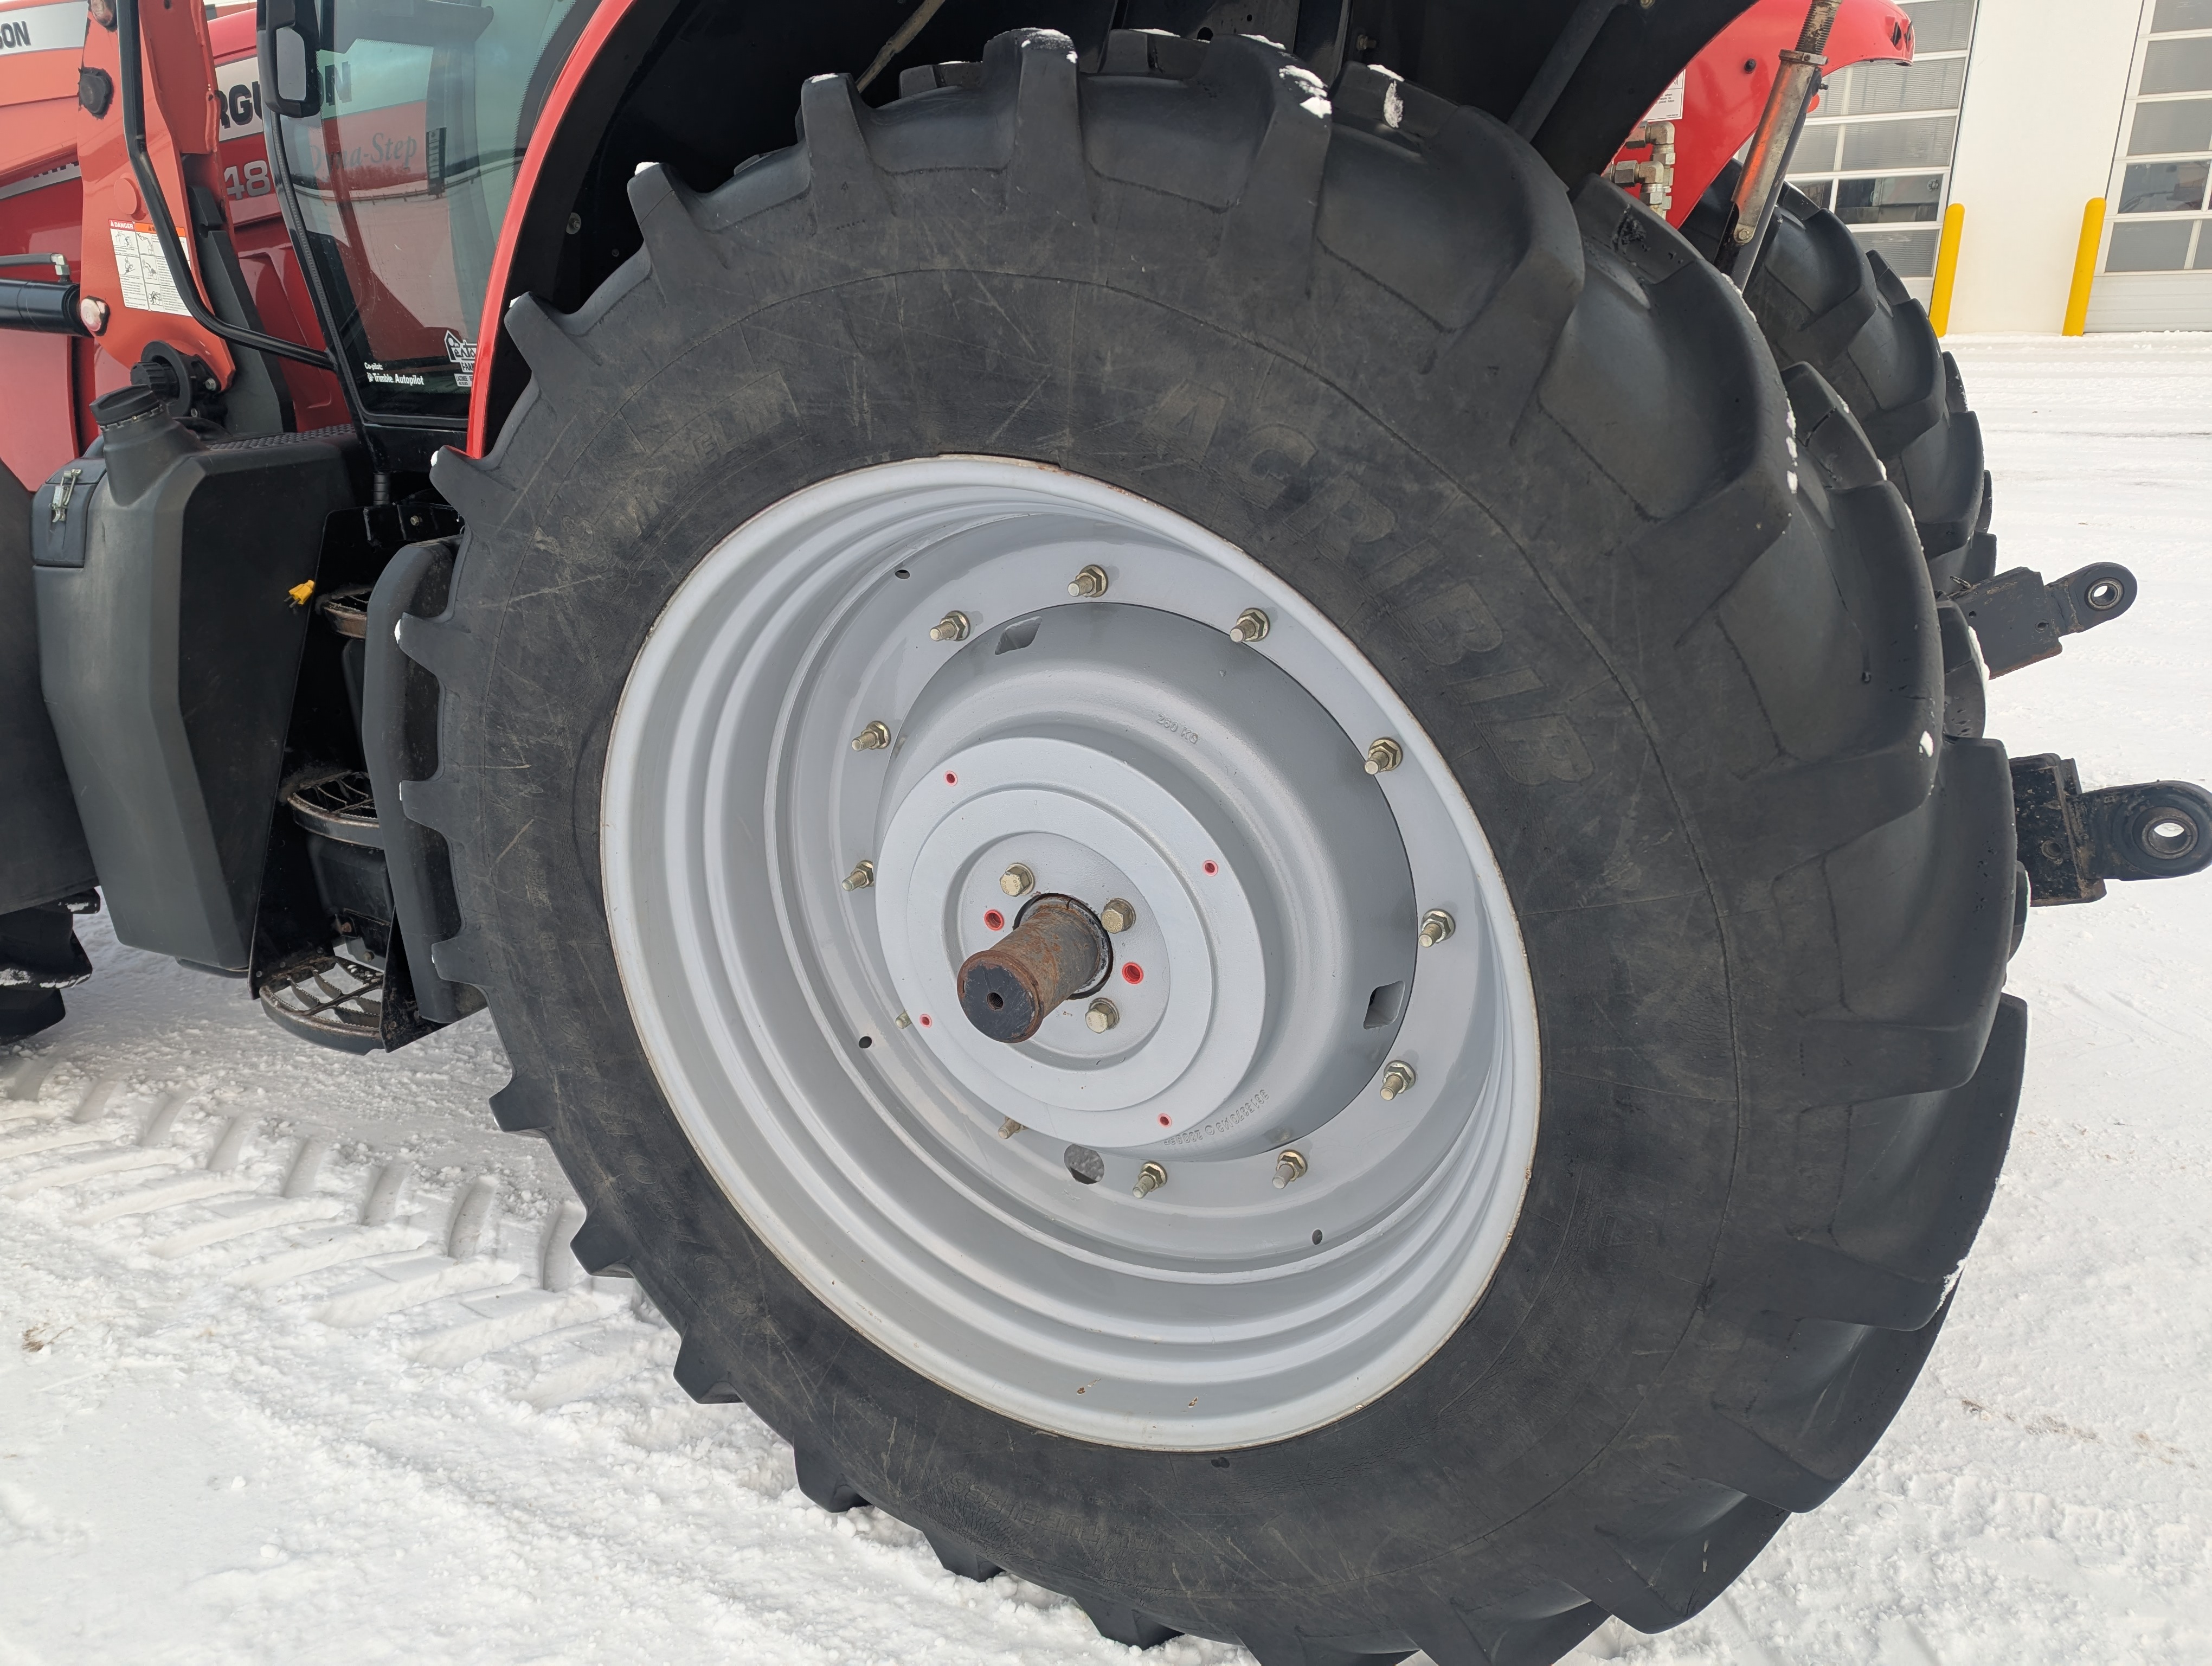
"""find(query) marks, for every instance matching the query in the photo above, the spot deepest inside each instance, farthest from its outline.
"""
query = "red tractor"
(1221, 775)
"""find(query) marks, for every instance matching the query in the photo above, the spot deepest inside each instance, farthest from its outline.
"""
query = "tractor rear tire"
(1525, 452)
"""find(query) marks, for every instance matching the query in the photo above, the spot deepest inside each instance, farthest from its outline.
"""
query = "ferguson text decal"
(237, 103)
(59, 27)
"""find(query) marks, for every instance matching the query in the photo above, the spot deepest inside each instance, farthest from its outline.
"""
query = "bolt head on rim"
(1241, 866)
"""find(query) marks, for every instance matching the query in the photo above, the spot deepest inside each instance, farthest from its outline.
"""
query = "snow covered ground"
(322, 1440)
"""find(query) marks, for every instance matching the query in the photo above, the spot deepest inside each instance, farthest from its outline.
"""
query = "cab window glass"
(404, 175)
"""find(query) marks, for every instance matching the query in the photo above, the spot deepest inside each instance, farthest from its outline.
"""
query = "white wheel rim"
(1124, 742)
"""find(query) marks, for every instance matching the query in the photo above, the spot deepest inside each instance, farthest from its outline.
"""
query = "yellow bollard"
(2085, 267)
(1946, 268)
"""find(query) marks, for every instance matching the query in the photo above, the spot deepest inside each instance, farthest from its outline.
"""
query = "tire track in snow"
(442, 1281)
(484, 1302)
(408, 1278)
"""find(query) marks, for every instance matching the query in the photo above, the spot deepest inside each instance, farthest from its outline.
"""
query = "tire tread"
(1823, 1304)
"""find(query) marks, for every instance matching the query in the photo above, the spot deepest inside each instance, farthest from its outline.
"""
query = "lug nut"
(1150, 1179)
(1251, 626)
(862, 876)
(1289, 1166)
(903, 1022)
(1383, 756)
(1436, 926)
(1018, 880)
(952, 628)
(1397, 1077)
(1009, 1128)
(1101, 1016)
(873, 739)
(1118, 915)
(1089, 583)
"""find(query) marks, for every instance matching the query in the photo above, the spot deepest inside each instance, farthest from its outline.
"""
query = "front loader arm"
(126, 271)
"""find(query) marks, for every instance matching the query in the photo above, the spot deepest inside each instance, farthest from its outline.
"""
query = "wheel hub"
(1250, 965)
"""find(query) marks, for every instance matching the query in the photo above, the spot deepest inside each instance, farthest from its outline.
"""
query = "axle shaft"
(1058, 950)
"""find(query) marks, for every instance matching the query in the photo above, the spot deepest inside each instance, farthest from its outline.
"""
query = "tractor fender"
(1607, 69)
(617, 39)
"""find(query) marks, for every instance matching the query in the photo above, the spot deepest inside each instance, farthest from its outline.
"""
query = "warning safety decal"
(147, 285)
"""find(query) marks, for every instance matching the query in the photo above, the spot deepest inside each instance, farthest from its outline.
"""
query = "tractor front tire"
(1822, 300)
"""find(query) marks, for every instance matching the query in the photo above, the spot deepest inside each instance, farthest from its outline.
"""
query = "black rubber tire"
(40, 957)
(1531, 455)
(1822, 300)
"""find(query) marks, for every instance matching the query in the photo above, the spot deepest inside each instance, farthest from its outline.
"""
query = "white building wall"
(2156, 269)
(1877, 148)
(2044, 93)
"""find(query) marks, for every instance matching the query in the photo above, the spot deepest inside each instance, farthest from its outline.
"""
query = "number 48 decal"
(251, 181)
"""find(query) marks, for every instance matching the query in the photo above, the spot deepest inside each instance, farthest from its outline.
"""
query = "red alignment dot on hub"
(1163, 1122)
(995, 919)
(1132, 972)
(925, 1020)
(949, 778)
(1212, 867)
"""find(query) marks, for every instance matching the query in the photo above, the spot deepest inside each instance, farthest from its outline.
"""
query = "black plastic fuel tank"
(170, 625)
